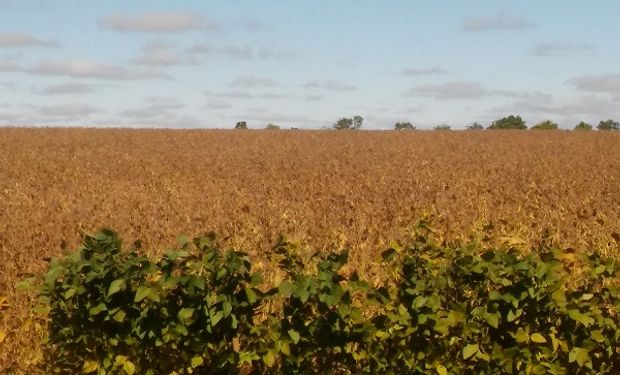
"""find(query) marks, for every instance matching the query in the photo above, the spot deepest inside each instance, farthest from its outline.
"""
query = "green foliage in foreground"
(442, 310)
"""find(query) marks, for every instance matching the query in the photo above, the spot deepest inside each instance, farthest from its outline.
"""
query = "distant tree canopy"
(475, 126)
(404, 126)
(608, 125)
(583, 126)
(442, 127)
(545, 125)
(271, 126)
(241, 125)
(510, 122)
(347, 123)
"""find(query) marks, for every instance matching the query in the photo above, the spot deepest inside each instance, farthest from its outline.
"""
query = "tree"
(357, 122)
(475, 126)
(510, 122)
(346, 123)
(442, 127)
(608, 125)
(583, 126)
(343, 124)
(404, 126)
(271, 126)
(241, 125)
(545, 125)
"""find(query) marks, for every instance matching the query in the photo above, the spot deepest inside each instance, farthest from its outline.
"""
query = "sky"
(307, 63)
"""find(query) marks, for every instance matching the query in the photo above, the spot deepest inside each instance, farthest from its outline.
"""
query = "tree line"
(511, 122)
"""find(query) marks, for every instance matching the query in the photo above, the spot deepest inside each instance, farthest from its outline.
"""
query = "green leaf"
(522, 336)
(294, 335)
(90, 366)
(441, 370)
(419, 301)
(185, 315)
(69, 293)
(581, 318)
(470, 350)
(97, 309)
(580, 355)
(286, 288)
(119, 316)
(129, 367)
(269, 358)
(216, 318)
(116, 286)
(303, 295)
(197, 361)
(251, 295)
(511, 316)
(142, 293)
(119, 360)
(538, 338)
(493, 319)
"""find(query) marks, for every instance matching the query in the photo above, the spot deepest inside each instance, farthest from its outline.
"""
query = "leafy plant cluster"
(441, 310)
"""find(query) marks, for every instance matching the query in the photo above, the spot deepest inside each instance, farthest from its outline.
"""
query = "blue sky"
(207, 64)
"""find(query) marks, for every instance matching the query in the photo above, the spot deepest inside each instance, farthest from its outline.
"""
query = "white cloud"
(160, 112)
(252, 81)
(91, 69)
(271, 95)
(8, 85)
(329, 85)
(252, 25)
(235, 52)
(159, 53)
(67, 88)
(498, 21)
(270, 53)
(416, 109)
(10, 66)
(559, 48)
(599, 83)
(157, 107)
(433, 70)
(243, 94)
(30, 114)
(236, 94)
(217, 104)
(230, 51)
(158, 22)
(242, 52)
(20, 40)
(456, 90)
(314, 97)
(66, 111)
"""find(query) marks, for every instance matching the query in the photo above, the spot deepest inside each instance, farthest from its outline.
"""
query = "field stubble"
(359, 190)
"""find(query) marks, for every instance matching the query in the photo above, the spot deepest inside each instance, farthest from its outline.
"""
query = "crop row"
(443, 309)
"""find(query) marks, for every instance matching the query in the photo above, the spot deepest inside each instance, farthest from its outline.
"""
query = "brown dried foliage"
(321, 188)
